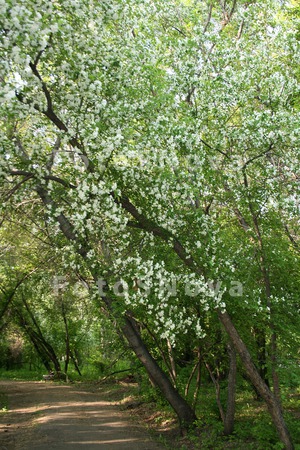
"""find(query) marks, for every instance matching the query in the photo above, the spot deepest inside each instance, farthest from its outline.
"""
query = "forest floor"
(49, 415)
(112, 414)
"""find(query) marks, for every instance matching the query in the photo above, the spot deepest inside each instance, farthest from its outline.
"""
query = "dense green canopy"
(152, 148)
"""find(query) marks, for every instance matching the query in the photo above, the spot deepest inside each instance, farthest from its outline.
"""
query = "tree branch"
(49, 112)
(29, 175)
(17, 186)
(292, 239)
(208, 18)
(146, 224)
(65, 225)
(257, 156)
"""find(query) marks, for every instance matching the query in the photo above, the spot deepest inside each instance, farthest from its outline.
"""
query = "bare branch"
(240, 30)
(10, 295)
(179, 31)
(46, 177)
(232, 9)
(292, 239)
(49, 112)
(17, 186)
(208, 18)
(214, 148)
(33, 67)
(61, 181)
(21, 172)
(257, 157)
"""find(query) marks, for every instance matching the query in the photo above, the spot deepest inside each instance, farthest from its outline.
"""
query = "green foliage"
(22, 374)
(3, 402)
(151, 144)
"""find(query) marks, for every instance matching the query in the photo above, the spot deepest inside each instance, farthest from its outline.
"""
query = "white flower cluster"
(198, 129)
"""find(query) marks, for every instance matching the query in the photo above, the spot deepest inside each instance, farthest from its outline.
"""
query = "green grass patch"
(3, 402)
(21, 375)
(253, 428)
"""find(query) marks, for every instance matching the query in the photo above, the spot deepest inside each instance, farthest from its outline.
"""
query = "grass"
(3, 402)
(253, 426)
(21, 374)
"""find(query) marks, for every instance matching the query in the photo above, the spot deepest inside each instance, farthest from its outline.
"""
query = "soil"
(47, 415)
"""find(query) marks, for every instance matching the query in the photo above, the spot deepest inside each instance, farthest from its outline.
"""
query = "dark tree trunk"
(260, 339)
(230, 410)
(185, 413)
(198, 379)
(189, 382)
(43, 348)
(260, 385)
(42, 355)
(75, 362)
(275, 377)
(166, 360)
(216, 383)
(67, 337)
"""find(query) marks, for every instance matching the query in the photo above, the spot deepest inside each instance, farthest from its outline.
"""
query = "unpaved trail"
(46, 416)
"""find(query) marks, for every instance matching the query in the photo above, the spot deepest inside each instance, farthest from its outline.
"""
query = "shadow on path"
(46, 416)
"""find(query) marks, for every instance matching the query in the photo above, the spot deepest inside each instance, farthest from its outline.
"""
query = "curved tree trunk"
(43, 348)
(185, 413)
(43, 356)
(260, 385)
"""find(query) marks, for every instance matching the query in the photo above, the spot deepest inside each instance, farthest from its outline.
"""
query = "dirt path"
(49, 416)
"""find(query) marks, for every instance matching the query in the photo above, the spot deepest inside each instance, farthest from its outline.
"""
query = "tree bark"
(271, 402)
(185, 413)
(275, 377)
(42, 347)
(260, 339)
(230, 410)
(198, 380)
(67, 337)
(217, 389)
(73, 358)
(172, 362)
(193, 371)
(42, 355)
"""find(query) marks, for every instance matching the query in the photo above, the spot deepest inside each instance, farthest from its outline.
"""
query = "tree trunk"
(218, 391)
(198, 380)
(230, 410)
(44, 358)
(185, 413)
(67, 337)
(172, 361)
(73, 358)
(167, 360)
(275, 378)
(260, 339)
(260, 385)
(193, 371)
(43, 348)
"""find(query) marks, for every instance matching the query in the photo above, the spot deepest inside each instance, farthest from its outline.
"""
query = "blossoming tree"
(161, 139)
